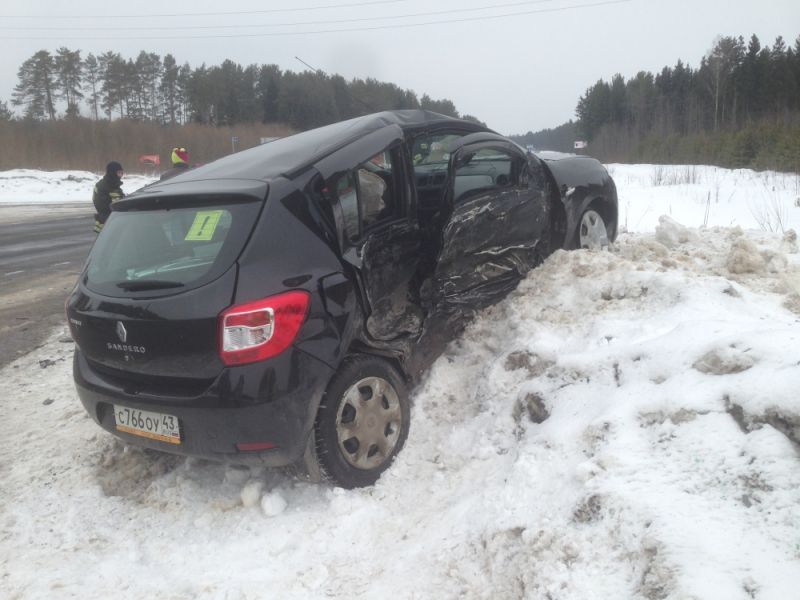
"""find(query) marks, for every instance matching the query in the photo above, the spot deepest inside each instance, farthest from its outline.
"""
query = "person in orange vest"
(180, 164)
(107, 191)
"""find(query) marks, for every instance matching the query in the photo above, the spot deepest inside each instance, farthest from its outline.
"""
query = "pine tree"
(117, 83)
(782, 76)
(91, 69)
(184, 77)
(343, 97)
(148, 72)
(718, 66)
(5, 113)
(151, 89)
(133, 92)
(749, 80)
(594, 109)
(796, 72)
(36, 88)
(199, 100)
(107, 76)
(617, 102)
(168, 89)
(443, 107)
(267, 89)
(69, 69)
(306, 100)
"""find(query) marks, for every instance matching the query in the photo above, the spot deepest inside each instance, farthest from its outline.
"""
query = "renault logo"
(121, 332)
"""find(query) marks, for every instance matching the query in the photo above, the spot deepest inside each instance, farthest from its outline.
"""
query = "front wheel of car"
(362, 421)
(592, 231)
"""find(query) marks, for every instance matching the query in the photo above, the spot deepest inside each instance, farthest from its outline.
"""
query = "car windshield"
(433, 150)
(168, 249)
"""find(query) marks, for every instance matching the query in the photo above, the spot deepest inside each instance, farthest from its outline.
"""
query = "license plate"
(153, 425)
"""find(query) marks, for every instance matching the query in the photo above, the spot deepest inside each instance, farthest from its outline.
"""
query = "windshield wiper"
(148, 284)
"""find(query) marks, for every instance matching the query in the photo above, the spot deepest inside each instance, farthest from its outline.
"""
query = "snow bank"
(624, 425)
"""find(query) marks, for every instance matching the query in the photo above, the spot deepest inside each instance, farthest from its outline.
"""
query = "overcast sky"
(518, 73)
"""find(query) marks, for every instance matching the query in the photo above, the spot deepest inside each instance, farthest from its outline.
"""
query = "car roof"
(291, 154)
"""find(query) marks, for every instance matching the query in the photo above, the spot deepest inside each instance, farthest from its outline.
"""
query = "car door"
(368, 186)
(498, 225)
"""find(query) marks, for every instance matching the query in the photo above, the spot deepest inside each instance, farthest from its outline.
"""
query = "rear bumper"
(249, 404)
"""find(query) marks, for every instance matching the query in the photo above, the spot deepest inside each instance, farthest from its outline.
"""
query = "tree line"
(740, 107)
(560, 139)
(156, 89)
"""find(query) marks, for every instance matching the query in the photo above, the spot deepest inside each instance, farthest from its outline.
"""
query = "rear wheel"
(362, 422)
(592, 232)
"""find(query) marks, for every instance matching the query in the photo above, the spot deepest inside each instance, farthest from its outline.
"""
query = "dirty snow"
(624, 425)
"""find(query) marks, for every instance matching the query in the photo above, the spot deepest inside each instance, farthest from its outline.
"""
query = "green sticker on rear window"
(205, 223)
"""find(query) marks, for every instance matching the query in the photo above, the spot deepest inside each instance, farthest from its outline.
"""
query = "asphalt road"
(42, 251)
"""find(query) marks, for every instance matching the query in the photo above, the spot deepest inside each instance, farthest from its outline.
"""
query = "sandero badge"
(276, 306)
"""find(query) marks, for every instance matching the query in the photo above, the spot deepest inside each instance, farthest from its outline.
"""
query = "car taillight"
(261, 329)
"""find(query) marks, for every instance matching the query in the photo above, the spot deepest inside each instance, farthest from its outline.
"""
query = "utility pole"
(308, 65)
(321, 72)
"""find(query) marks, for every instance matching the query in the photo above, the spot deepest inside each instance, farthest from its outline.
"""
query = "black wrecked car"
(275, 306)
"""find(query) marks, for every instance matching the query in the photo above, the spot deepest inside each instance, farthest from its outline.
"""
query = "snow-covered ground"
(693, 195)
(706, 196)
(27, 186)
(624, 425)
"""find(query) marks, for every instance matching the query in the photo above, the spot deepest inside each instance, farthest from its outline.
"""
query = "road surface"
(42, 250)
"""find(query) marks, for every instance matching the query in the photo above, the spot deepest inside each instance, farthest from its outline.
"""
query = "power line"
(295, 24)
(208, 14)
(324, 31)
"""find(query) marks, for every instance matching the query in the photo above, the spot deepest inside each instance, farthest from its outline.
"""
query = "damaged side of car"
(427, 243)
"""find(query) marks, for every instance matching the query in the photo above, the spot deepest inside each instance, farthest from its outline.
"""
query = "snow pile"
(31, 186)
(624, 425)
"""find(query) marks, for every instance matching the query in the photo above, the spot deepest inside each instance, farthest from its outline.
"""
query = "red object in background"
(150, 160)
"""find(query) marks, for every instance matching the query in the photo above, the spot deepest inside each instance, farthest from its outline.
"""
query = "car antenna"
(349, 93)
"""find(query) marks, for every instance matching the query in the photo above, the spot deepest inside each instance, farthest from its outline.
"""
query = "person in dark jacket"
(107, 191)
(180, 164)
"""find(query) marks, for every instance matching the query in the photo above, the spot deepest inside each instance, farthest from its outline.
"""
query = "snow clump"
(273, 504)
(671, 233)
(251, 492)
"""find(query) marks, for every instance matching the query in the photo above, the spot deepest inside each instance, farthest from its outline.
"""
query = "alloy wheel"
(592, 231)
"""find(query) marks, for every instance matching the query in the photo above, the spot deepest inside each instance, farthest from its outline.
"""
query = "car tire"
(362, 422)
(592, 231)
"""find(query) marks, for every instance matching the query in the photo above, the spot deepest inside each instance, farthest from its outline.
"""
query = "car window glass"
(185, 246)
(369, 195)
(431, 155)
(485, 170)
(433, 149)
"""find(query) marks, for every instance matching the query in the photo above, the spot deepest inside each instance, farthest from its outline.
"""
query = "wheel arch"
(607, 210)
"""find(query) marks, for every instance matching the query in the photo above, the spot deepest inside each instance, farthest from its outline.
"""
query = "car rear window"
(168, 250)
